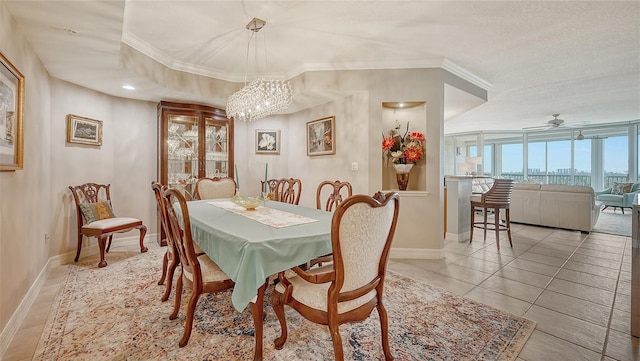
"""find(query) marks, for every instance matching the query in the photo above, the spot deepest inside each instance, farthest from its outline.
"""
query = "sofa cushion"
(481, 185)
(527, 186)
(566, 188)
(621, 188)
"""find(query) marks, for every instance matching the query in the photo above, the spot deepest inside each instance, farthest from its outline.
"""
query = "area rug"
(614, 222)
(115, 313)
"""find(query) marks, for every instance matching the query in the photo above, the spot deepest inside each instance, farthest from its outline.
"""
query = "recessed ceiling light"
(129, 87)
(70, 31)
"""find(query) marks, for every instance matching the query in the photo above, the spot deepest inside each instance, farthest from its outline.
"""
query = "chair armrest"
(628, 198)
(315, 277)
(606, 191)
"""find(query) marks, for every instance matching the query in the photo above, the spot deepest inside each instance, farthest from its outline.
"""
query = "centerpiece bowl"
(248, 203)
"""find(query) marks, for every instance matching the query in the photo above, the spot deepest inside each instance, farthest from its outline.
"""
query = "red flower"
(417, 136)
(412, 155)
(387, 143)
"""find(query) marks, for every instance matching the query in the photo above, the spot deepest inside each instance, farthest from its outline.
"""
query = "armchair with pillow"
(619, 195)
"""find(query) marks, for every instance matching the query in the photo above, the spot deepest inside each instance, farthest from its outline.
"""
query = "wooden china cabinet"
(194, 141)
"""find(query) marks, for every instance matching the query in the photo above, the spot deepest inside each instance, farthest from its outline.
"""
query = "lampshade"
(261, 97)
(466, 168)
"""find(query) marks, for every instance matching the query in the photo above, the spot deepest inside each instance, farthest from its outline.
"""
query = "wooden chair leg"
(278, 308)
(143, 231)
(176, 305)
(165, 264)
(496, 222)
(473, 221)
(384, 329)
(172, 268)
(101, 244)
(485, 211)
(508, 226)
(337, 340)
(109, 242)
(79, 246)
(191, 309)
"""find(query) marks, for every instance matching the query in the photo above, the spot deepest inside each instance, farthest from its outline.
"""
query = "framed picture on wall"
(321, 138)
(83, 130)
(11, 115)
(267, 141)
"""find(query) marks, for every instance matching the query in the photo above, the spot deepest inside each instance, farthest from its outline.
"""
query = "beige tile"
(591, 269)
(545, 347)
(24, 343)
(623, 302)
(575, 307)
(499, 300)
(512, 288)
(596, 261)
(624, 288)
(530, 278)
(568, 328)
(464, 274)
(584, 278)
(444, 282)
(534, 267)
(621, 320)
(540, 258)
(480, 265)
(564, 255)
(492, 256)
(621, 346)
(554, 245)
(584, 292)
(599, 254)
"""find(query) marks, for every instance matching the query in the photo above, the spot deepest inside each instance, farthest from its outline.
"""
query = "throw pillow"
(621, 188)
(96, 211)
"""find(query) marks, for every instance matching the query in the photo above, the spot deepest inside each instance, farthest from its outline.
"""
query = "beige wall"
(25, 194)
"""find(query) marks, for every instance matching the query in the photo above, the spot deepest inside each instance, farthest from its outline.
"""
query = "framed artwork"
(11, 116)
(83, 130)
(267, 141)
(321, 137)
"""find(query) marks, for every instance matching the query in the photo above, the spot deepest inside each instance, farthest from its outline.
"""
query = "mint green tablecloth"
(249, 251)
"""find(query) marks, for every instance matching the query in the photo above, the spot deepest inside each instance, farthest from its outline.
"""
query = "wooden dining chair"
(95, 218)
(198, 272)
(170, 260)
(288, 190)
(338, 191)
(212, 188)
(272, 185)
(362, 229)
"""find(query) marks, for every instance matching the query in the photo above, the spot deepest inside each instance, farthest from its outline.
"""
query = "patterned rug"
(115, 313)
(614, 222)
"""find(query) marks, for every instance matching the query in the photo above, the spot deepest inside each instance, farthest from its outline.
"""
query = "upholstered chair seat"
(210, 271)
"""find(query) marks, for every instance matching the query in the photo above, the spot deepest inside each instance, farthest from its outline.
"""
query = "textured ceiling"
(578, 59)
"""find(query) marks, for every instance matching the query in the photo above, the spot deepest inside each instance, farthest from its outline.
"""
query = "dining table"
(252, 245)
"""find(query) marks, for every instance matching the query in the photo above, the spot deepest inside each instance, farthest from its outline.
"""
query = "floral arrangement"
(403, 149)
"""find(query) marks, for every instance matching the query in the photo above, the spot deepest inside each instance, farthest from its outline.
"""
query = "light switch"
(354, 166)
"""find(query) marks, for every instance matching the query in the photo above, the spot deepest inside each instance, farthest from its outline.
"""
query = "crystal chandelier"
(261, 97)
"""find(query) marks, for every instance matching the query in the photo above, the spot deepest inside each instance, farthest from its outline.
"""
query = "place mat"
(265, 215)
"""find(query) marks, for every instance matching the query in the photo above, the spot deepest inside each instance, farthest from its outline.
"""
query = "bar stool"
(496, 198)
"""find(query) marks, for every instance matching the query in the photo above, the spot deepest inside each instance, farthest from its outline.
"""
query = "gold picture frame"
(321, 137)
(11, 116)
(82, 130)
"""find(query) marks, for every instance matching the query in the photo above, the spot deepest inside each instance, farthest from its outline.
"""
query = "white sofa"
(555, 205)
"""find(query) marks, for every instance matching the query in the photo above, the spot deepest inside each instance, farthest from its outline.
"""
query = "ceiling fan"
(581, 136)
(553, 123)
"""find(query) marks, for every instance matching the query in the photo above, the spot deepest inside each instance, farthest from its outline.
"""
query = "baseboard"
(19, 315)
(416, 253)
(458, 237)
(21, 312)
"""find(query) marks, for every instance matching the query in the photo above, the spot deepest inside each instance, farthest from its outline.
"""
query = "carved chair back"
(338, 192)
(212, 188)
(288, 190)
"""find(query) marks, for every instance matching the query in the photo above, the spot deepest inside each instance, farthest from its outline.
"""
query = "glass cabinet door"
(182, 146)
(217, 151)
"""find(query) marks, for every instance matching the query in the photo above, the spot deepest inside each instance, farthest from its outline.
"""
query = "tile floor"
(576, 286)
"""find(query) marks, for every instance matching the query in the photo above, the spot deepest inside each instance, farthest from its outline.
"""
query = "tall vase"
(402, 175)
